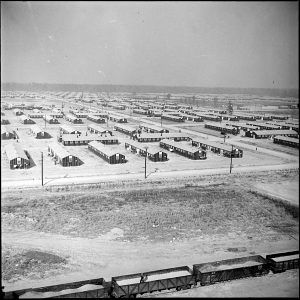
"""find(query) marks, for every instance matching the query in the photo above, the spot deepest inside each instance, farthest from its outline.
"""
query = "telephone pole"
(231, 159)
(146, 162)
(42, 169)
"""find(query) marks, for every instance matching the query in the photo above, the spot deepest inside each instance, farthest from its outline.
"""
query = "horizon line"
(152, 85)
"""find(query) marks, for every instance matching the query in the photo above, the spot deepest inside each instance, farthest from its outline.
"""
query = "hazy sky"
(206, 44)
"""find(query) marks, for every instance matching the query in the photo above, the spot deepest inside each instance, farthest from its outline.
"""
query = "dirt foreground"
(247, 228)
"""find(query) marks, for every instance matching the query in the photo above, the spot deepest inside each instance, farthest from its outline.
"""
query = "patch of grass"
(17, 263)
(290, 209)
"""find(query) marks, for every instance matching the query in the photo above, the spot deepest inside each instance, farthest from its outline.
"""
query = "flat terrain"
(141, 226)
(101, 220)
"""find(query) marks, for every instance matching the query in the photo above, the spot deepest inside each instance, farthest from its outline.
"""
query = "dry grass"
(153, 212)
(18, 263)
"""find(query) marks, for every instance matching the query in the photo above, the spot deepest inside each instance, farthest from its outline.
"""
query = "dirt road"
(138, 176)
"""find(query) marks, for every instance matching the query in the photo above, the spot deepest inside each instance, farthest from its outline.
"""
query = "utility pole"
(161, 120)
(231, 159)
(42, 169)
(45, 121)
(146, 162)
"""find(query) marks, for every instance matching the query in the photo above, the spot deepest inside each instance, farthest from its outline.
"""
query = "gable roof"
(59, 150)
(14, 150)
(104, 149)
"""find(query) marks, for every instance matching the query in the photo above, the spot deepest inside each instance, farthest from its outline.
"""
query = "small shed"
(111, 156)
(18, 158)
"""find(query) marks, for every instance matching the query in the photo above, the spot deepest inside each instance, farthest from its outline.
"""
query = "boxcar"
(130, 285)
(92, 288)
(230, 269)
(283, 261)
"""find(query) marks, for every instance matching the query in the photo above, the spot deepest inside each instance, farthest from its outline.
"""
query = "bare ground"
(132, 227)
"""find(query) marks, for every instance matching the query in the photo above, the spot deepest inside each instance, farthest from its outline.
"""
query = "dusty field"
(113, 228)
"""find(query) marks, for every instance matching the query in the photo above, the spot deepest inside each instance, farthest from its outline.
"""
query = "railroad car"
(129, 286)
(230, 269)
(92, 288)
(280, 262)
(178, 278)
